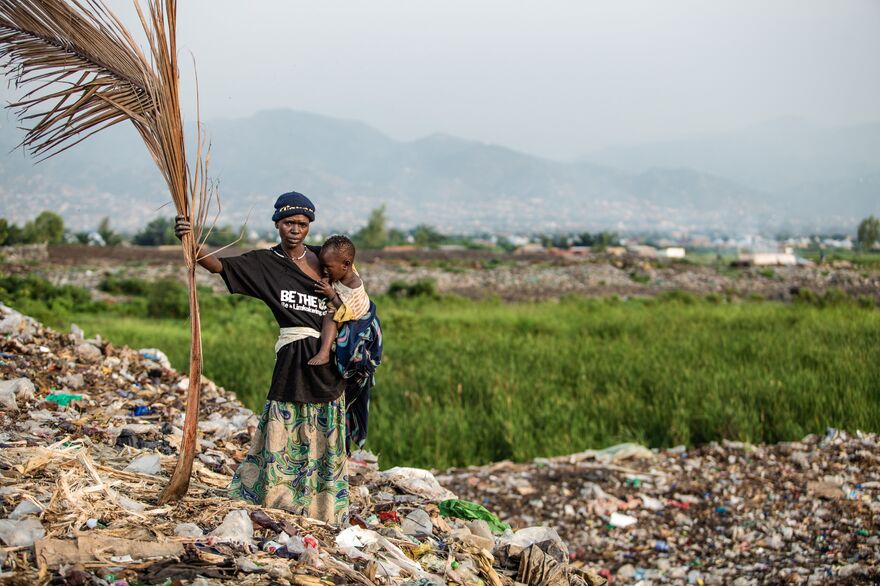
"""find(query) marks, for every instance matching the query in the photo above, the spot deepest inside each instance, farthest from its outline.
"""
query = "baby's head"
(337, 257)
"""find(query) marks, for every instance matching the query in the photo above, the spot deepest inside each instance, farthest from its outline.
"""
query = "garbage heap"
(90, 434)
(802, 512)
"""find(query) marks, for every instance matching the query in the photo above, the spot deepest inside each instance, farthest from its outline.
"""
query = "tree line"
(48, 227)
(869, 232)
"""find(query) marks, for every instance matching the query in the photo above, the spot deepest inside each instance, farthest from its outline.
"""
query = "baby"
(341, 285)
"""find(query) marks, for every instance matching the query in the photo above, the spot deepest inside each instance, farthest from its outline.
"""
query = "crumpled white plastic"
(417, 481)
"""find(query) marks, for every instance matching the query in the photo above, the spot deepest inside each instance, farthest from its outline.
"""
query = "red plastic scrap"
(389, 516)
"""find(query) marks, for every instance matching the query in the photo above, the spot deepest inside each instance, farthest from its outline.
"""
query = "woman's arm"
(183, 227)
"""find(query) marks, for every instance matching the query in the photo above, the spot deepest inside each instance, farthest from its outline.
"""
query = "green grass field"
(471, 382)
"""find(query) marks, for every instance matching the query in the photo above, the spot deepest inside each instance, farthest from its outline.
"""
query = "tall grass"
(477, 382)
(466, 382)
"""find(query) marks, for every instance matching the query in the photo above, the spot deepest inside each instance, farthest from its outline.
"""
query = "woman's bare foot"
(320, 358)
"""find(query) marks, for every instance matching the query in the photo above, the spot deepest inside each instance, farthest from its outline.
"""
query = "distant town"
(378, 235)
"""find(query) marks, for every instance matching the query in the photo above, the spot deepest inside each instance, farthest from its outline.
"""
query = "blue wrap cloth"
(358, 353)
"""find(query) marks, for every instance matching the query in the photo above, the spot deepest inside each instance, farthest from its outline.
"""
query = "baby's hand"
(324, 288)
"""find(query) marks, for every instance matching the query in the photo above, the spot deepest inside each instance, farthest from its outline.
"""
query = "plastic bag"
(471, 511)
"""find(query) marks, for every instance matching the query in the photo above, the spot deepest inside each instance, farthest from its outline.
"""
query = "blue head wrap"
(291, 204)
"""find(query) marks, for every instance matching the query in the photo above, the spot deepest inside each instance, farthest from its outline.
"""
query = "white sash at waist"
(290, 335)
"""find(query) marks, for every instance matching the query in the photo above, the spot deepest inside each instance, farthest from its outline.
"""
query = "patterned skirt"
(297, 461)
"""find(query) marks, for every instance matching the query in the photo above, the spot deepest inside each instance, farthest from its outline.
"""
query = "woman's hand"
(182, 227)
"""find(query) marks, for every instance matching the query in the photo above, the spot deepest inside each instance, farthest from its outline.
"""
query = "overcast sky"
(558, 78)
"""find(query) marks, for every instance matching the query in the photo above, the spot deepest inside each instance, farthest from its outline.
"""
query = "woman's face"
(293, 230)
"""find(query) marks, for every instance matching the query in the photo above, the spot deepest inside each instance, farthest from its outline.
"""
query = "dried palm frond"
(85, 72)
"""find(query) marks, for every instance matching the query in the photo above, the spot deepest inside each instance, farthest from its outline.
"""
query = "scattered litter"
(236, 528)
(146, 464)
(157, 356)
(21, 532)
(621, 520)
(77, 332)
(22, 387)
(91, 548)
(25, 507)
(73, 381)
(188, 530)
(825, 489)
(63, 399)
(622, 452)
(88, 353)
(468, 510)
(8, 400)
(525, 538)
(734, 512)
(651, 503)
(418, 482)
(417, 523)
(356, 536)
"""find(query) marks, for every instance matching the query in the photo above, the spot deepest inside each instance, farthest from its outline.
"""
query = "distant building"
(530, 248)
(95, 239)
(671, 252)
(844, 244)
(400, 248)
(643, 250)
(570, 251)
(766, 259)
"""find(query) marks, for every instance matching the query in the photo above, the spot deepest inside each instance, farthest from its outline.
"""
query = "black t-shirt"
(272, 277)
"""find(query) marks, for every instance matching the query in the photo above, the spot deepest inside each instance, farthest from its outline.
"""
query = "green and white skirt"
(297, 461)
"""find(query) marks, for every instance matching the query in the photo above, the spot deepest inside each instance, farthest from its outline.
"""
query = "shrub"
(642, 278)
(714, 298)
(805, 295)
(167, 298)
(421, 288)
(39, 298)
(14, 289)
(867, 302)
(158, 231)
(835, 296)
(680, 297)
(116, 286)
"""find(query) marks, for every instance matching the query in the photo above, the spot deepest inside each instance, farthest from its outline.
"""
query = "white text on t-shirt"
(301, 302)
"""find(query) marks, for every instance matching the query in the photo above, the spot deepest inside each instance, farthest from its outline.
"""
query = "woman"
(297, 460)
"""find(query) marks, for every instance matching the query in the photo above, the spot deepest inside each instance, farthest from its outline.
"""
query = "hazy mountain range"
(786, 174)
